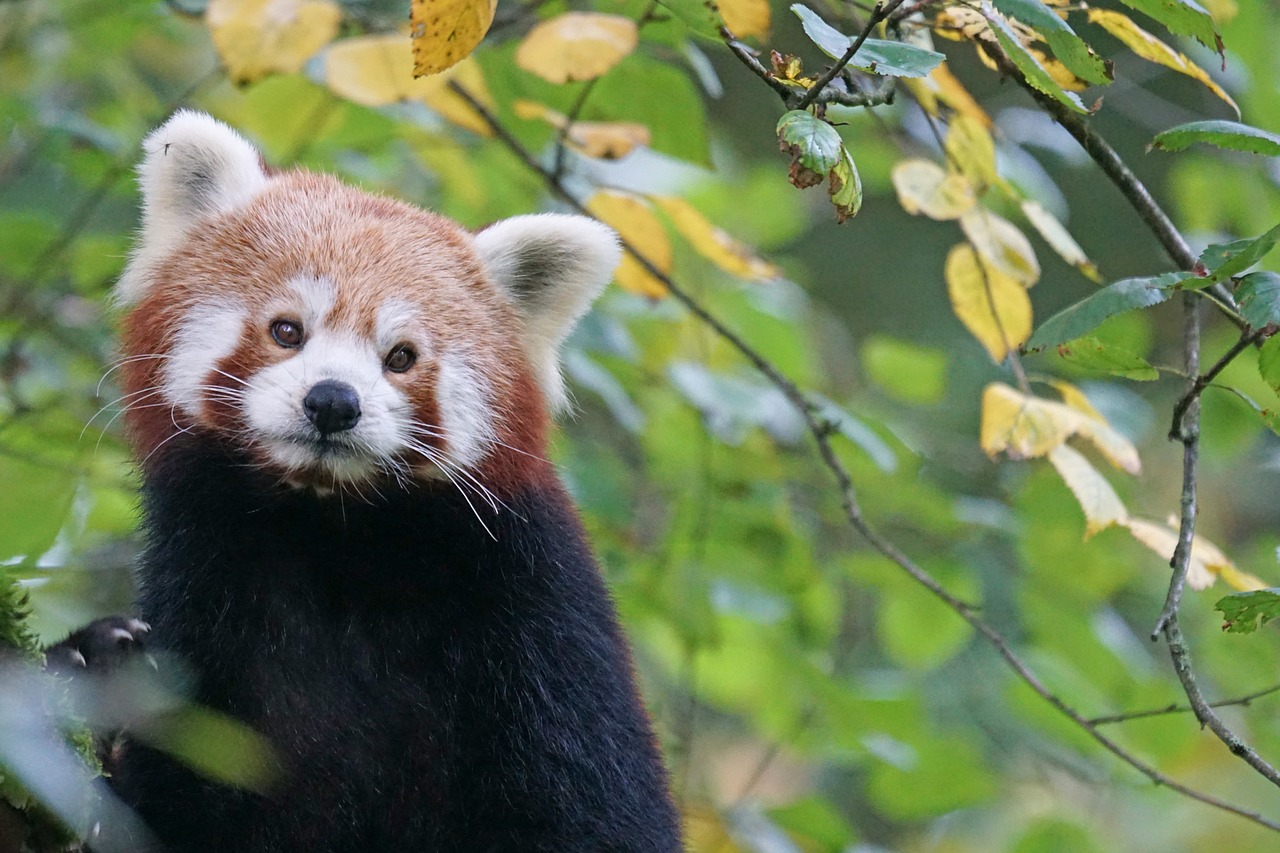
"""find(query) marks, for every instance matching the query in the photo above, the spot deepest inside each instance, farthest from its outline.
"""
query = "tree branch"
(1174, 708)
(878, 14)
(1205, 379)
(820, 430)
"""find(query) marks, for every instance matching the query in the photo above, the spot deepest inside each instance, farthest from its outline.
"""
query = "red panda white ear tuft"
(194, 166)
(552, 267)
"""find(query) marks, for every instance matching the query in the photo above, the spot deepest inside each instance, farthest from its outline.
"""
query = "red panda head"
(337, 337)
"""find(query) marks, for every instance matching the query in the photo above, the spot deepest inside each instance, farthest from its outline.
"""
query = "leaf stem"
(1174, 708)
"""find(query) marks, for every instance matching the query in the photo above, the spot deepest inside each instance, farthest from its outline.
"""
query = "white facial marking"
(274, 407)
(399, 321)
(463, 399)
(317, 295)
(209, 334)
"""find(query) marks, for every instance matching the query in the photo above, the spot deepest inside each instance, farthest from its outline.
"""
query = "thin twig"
(1205, 379)
(562, 137)
(821, 432)
(878, 14)
(1175, 708)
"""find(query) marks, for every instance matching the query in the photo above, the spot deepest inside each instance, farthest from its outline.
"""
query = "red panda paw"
(101, 646)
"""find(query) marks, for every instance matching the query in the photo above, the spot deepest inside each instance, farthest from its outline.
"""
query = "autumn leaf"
(378, 70)
(745, 18)
(993, 306)
(639, 228)
(255, 38)
(1023, 426)
(577, 46)
(1001, 243)
(1114, 446)
(446, 31)
(714, 244)
(1152, 49)
(942, 85)
(1207, 562)
(970, 149)
(1059, 238)
(1102, 507)
(605, 140)
(925, 187)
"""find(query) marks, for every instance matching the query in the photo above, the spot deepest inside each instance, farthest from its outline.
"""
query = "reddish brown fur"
(372, 248)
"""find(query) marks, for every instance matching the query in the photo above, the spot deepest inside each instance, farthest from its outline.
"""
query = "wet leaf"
(732, 256)
(1002, 244)
(925, 187)
(1221, 261)
(1152, 49)
(875, 56)
(1037, 75)
(1059, 238)
(577, 46)
(1224, 134)
(446, 31)
(255, 38)
(639, 228)
(1089, 313)
(993, 306)
(1259, 295)
(1183, 17)
(1246, 612)
(1093, 354)
(1101, 506)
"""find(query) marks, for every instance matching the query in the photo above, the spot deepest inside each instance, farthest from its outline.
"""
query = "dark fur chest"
(429, 680)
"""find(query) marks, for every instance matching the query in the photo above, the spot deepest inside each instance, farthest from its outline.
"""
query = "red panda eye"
(401, 359)
(287, 333)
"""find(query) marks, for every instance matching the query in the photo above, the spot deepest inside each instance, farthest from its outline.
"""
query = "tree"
(888, 526)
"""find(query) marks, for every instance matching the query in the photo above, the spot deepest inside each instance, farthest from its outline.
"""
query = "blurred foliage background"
(809, 695)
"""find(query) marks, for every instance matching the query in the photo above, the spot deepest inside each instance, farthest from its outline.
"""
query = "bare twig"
(878, 14)
(1205, 379)
(1174, 708)
(821, 432)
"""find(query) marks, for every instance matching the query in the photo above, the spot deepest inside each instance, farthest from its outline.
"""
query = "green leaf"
(1224, 134)
(34, 502)
(876, 56)
(860, 434)
(701, 15)
(814, 820)
(1093, 354)
(1245, 612)
(1269, 362)
(1036, 74)
(1068, 47)
(814, 144)
(906, 371)
(1222, 260)
(1259, 295)
(1183, 17)
(845, 187)
(1081, 318)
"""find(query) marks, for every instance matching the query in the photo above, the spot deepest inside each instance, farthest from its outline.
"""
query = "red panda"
(339, 404)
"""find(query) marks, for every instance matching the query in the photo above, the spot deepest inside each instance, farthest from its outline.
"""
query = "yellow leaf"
(971, 149)
(640, 229)
(993, 306)
(943, 85)
(959, 23)
(1059, 239)
(605, 140)
(1059, 72)
(745, 18)
(1101, 505)
(258, 37)
(1152, 49)
(446, 31)
(378, 70)
(576, 46)
(1023, 427)
(1001, 244)
(1207, 562)
(925, 187)
(1117, 449)
(714, 244)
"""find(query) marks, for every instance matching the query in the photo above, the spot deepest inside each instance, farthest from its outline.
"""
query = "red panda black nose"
(332, 406)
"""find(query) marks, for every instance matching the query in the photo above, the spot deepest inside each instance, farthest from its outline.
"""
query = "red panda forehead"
(309, 245)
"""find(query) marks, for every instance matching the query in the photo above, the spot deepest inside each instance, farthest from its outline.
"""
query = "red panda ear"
(552, 267)
(195, 166)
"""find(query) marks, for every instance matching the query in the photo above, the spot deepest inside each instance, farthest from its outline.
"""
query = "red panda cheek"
(222, 406)
(418, 387)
